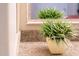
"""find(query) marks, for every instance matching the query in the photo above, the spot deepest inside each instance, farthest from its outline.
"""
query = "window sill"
(39, 22)
(34, 21)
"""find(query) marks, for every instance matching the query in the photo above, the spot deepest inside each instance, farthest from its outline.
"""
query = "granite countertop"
(41, 49)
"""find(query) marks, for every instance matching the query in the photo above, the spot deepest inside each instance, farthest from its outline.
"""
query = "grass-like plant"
(50, 13)
(57, 29)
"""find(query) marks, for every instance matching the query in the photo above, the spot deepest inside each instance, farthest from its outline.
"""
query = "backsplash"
(35, 35)
(31, 35)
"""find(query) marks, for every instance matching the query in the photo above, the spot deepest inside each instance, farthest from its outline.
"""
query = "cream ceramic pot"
(54, 47)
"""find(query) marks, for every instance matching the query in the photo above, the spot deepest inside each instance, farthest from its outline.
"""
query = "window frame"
(29, 20)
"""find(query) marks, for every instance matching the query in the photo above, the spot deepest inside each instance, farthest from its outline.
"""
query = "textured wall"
(31, 35)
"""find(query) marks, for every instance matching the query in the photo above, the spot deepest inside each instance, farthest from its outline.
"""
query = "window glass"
(71, 10)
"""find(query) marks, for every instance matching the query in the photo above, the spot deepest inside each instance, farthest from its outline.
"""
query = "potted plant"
(57, 32)
(57, 35)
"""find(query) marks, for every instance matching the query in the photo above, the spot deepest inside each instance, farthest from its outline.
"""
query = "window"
(28, 13)
(69, 9)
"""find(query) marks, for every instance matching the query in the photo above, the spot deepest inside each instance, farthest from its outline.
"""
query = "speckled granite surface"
(41, 49)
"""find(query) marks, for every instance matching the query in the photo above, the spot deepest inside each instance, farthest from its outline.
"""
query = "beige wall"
(23, 18)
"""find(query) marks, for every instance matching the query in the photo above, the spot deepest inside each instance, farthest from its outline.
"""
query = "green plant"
(57, 29)
(50, 13)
